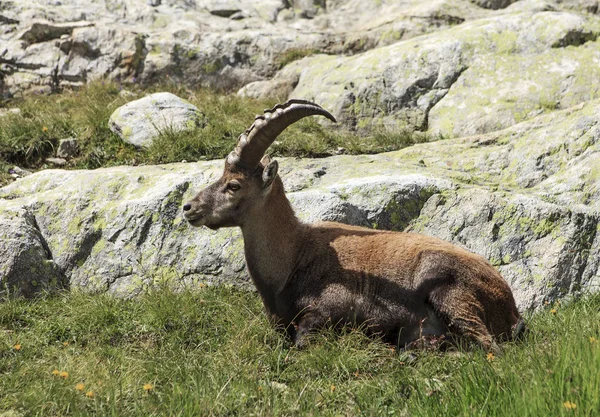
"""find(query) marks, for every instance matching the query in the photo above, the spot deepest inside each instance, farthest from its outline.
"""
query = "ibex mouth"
(196, 221)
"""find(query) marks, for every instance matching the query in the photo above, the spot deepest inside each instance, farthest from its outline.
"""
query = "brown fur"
(402, 286)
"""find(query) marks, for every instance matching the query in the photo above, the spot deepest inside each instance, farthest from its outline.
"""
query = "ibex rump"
(402, 286)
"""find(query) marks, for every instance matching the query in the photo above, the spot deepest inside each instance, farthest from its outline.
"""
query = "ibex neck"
(271, 242)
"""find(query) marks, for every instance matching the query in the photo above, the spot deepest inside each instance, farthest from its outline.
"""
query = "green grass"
(28, 138)
(212, 352)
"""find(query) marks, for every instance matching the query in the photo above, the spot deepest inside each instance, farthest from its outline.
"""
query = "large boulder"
(500, 91)
(526, 198)
(477, 77)
(140, 121)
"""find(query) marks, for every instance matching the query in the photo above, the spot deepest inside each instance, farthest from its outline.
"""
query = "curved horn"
(253, 143)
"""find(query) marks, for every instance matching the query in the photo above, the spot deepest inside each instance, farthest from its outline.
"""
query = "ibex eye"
(233, 186)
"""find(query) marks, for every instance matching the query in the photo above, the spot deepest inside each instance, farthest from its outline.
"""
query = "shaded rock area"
(493, 4)
(27, 266)
(525, 197)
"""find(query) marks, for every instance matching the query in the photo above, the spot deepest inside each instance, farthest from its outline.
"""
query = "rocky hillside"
(455, 67)
(512, 86)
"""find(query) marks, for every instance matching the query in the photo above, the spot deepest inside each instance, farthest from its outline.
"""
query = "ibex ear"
(269, 174)
(265, 160)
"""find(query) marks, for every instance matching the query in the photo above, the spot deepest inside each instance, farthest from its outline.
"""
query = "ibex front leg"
(309, 322)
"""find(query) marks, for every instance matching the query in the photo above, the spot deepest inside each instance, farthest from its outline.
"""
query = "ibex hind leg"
(428, 331)
(463, 316)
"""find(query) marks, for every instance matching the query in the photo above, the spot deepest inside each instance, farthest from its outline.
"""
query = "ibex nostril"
(187, 207)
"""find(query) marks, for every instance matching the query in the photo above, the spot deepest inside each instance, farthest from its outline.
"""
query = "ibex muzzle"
(400, 286)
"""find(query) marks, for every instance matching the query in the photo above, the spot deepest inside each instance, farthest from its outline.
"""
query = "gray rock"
(8, 20)
(238, 16)
(427, 81)
(56, 161)
(145, 41)
(224, 11)
(139, 122)
(500, 91)
(7, 112)
(67, 148)
(19, 172)
(45, 31)
(26, 265)
(589, 6)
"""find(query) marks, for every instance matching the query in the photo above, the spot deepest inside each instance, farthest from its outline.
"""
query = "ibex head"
(249, 175)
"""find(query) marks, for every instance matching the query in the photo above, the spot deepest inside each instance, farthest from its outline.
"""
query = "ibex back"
(401, 286)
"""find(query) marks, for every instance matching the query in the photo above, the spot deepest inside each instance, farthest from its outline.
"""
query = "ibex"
(404, 287)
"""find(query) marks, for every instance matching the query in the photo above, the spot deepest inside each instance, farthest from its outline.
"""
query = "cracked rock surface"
(27, 265)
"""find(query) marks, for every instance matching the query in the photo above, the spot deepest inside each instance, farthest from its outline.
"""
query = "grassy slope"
(28, 138)
(212, 352)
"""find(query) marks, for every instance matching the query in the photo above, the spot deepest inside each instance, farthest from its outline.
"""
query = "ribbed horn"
(253, 143)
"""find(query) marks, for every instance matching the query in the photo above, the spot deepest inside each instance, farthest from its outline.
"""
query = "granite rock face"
(27, 266)
(480, 76)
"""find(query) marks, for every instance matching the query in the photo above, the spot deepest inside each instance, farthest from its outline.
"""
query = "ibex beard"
(403, 287)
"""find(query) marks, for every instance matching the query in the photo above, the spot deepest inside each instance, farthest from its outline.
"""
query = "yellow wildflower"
(65, 344)
(64, 374)
(332, 388)
(569, 405)
(44, 129)
(490, 357)
(553, 311)
(79, 387)
(17, 347)
(148, 387)
(89, 394)
(55, 372)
